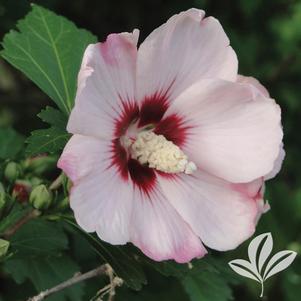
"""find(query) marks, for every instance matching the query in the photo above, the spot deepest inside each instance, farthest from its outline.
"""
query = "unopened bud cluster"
(12, 171)
(40, 197)
(25, 183)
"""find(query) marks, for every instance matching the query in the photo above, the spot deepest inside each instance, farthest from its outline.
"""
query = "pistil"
(159, 153)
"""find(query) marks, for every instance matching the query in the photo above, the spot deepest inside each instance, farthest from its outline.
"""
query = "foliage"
(38, 247)
(49, 248)
(11, 143)
(49, 140)
(48, 49)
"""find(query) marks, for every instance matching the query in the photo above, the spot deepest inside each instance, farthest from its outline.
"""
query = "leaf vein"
(58, 62)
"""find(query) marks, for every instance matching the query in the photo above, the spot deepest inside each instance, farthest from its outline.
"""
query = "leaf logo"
(259, 268)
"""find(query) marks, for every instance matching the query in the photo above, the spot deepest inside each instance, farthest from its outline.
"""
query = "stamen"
(161, 154)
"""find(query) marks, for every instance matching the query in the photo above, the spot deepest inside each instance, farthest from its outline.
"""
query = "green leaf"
(166, 268)
(10, 143)
(123, 263)
(159, 288)
(206, 282)
(46, 272)
(38, 237)
(48, 49)
(207, 287)
(38, 255)
(54, 117)
(119, 257)
(16, 213)
(49, 140)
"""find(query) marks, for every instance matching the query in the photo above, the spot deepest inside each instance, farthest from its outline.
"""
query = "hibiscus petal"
(97, 204)
(127, 213)
(160, 232)
(235, 134)
(253, 82)
(277, 164)
(222, 215)
(183, 50)
(106, 84)
(254, 190)
(257, 85)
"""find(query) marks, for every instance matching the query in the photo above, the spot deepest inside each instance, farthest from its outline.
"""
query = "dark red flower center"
(150, 113)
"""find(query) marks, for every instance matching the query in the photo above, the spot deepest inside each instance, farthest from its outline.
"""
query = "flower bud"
(40, 197)
(40, 164)
(4, 245)
(12, 171)
(35, 181)
(21, 190)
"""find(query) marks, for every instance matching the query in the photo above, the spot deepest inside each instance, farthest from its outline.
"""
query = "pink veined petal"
(256, 84)
(100, 198)
(221, 215)
(262, 205)
(254, 190)
(251, 189)
(187, 48)
(277, 164)
(253, 82)
(160, 232)
(127, 213)
(106, 83)
(235, 134)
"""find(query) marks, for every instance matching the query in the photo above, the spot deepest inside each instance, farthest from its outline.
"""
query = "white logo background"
(259, 268)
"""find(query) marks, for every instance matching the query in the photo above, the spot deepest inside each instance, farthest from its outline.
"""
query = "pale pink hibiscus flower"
(170, 147)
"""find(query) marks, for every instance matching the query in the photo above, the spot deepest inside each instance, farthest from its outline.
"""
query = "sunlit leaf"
(48, 49)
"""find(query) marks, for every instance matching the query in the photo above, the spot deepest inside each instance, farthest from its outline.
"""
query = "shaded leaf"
(16, 213)
(10, 143)
(50, 141)
(54, 117)
(167, 268)
(38, 237)
(119, 257)
(46, 272)
(38, 255)
(48, 49)
(207, 285)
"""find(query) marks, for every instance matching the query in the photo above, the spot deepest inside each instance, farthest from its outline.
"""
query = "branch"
(29, 216)
(57, 182)
(110, 288)
(75, 279)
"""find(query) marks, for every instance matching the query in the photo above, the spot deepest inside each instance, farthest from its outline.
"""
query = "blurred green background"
(266, 36)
